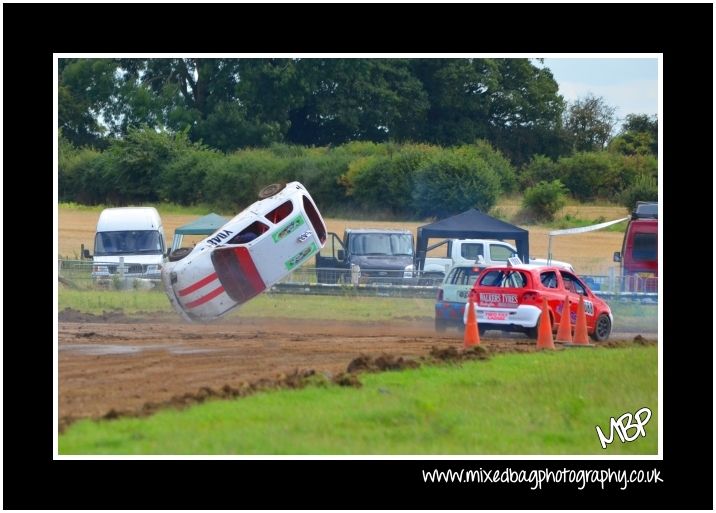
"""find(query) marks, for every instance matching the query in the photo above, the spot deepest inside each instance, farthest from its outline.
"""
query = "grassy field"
(515, 404)
(629, 317)
(590, 253)
(340, 308)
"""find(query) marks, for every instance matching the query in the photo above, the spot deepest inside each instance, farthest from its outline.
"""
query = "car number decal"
(297, 259)
(290, 227)
(588, 307)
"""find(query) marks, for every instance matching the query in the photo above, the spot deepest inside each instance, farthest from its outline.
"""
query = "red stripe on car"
(199, 284)
(211, 295)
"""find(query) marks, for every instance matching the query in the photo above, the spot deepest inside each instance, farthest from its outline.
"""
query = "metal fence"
(324, 281)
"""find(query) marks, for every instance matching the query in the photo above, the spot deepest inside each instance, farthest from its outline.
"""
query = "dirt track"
(116, 365)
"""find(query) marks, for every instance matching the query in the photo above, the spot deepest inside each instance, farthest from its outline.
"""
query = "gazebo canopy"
(472, 224)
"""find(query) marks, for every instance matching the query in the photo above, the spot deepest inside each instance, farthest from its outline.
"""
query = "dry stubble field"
(589, 253)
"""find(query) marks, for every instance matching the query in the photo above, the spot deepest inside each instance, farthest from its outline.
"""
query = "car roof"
(528, 267)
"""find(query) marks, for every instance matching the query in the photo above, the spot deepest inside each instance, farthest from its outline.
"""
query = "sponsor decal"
(495, 316)
(290, 227)
(498, 299)
(293, 262)
(219, 238)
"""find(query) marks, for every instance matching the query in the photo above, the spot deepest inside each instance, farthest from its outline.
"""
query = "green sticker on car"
(290, 227)
(293, 262)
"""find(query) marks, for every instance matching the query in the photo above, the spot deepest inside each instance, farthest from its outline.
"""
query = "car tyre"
(602, 328)
(178, 254)
(440, 325)
(271, 190)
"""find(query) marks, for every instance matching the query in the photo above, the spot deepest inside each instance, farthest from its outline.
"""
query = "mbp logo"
(623, 424)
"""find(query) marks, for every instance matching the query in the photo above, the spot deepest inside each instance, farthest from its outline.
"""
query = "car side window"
(572, 284)
(549, 279)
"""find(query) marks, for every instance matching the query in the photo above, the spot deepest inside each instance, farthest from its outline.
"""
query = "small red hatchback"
(509, 298)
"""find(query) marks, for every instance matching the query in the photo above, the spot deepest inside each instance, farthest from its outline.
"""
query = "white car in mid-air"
(250, 253)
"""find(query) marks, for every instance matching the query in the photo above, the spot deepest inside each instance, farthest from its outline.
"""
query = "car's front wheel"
(440, 325)
(602, 329)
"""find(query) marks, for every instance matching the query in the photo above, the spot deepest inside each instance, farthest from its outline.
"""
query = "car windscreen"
(132, 242)
(391, 244)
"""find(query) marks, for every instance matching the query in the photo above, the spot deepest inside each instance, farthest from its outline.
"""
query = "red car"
(509, 298)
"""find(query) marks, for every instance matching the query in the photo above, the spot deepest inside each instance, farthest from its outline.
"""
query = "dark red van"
(639, 255)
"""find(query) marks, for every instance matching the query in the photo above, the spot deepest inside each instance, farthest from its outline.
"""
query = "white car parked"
(250, 253)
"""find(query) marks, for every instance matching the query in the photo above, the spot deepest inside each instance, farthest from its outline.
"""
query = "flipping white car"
(254, 250)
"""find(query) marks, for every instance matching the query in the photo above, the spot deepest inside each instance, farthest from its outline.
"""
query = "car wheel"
(271, 190)
(532, 332)
(440, 325)
(602, 329)
(481, 330)
(178, 254)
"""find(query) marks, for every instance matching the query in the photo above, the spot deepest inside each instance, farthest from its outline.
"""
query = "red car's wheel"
(602, 329)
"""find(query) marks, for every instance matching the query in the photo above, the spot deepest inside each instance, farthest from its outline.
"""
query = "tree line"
(406, 180)
(412, 136)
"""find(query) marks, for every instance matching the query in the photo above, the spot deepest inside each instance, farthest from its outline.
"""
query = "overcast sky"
(630, 85)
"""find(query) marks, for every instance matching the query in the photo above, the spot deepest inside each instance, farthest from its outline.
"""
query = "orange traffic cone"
(564, 333)
(580, 333)
(472, 334)
(544, 336)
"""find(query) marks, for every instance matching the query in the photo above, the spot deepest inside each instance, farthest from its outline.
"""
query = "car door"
(574, 288)
(330, 259)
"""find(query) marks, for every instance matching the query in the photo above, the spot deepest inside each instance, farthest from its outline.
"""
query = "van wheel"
(178, 254)
(602, 329)
(271, 190)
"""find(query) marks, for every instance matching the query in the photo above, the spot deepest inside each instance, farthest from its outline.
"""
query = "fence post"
(612, 280)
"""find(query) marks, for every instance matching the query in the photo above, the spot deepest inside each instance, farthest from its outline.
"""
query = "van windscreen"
(132, 242)
(644, 246)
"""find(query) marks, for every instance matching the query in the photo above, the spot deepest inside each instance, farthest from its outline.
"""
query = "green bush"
(539, 169)
(544, 200)
(484, 151)
(385, 183)
(451, 183)
(183, 177)
(591, 175)
(645, 188)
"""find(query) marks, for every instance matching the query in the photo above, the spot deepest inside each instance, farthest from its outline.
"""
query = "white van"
(134, 234)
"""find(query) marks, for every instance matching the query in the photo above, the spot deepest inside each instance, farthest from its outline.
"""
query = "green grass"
(339, 308)
(538, 403)
(628, 316)
(635, 317)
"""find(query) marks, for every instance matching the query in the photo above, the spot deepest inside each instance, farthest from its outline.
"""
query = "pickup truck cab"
(480, 252)
(382, 256)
